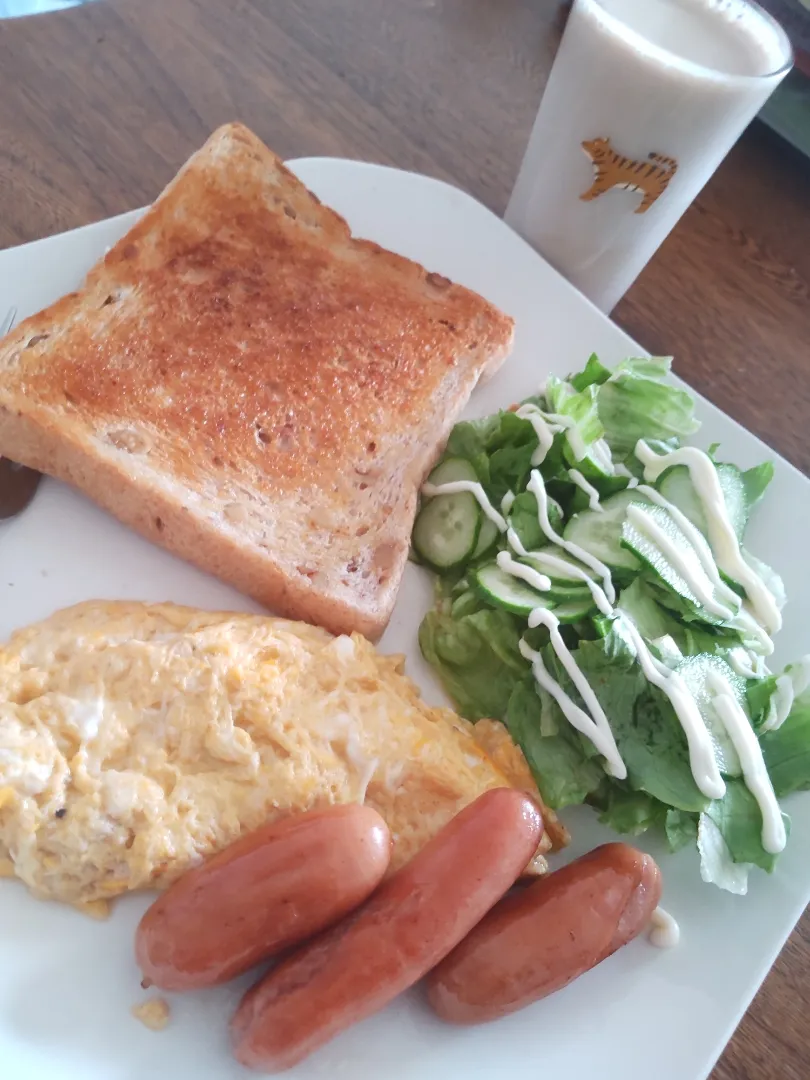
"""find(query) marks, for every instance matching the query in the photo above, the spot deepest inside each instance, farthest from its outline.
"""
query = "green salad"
(594, 592)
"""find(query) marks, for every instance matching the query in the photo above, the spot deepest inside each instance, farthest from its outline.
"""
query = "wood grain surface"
(99, 106)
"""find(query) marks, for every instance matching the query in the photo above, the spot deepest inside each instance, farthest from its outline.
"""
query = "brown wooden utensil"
(17, 483)
(17, 487)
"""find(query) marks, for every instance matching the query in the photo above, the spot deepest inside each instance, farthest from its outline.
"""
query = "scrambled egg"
(135, 740)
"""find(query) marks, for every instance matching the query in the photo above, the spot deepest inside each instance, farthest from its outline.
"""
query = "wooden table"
(100, 105)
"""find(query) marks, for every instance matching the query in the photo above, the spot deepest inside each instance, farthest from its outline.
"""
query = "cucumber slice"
(452, 469)
(508, 592)
(447, 528)
(486, 537)
(560, 590)
(676, 485)
(558, 565)
(688, 581)
(600, 533)
(571, 611)
(446, 531)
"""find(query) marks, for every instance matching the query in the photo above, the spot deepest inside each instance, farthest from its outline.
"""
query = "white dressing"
(587, 487)
(572, 433)
(568, 568)
(507, 502)
(664, 930)
(742, 620)
(752, 762)
(788, 686)
(780, 704)
(746, 663)
(678, 557)
(456, 487)
(600, 452)
(701, 751)
(544, 431)
(594, 727)
(525, 573)
(538, 489)
(725, 545)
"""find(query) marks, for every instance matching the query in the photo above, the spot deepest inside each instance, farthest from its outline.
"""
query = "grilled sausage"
(412, 921)
(270, 889)
(540, 938)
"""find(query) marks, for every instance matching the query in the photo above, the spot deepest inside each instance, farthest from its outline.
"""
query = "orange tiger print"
(611, 170)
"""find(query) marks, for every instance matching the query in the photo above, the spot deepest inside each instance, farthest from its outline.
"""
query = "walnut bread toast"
(246, 384)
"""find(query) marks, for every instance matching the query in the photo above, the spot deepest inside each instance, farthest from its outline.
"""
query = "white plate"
(67, 984)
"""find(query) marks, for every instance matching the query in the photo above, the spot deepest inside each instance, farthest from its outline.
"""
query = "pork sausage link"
(412, 921)
(540, 938)
(270, 889)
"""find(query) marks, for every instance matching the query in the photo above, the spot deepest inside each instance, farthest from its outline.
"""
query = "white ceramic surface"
(67, 983)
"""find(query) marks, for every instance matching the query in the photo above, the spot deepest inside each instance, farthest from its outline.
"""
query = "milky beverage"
(659, 90)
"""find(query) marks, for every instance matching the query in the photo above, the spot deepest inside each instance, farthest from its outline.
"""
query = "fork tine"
(8, 321)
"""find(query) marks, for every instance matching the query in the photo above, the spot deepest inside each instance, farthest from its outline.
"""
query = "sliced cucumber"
(571, 611)
(560, 591)
(506, 591)
(447, 528)
(487, 536)
(452, 469)
(676, 485)
(688, 580)
(600, 532)
(558, 565)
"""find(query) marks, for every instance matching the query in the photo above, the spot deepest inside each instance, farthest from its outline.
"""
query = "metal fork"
(17, 483)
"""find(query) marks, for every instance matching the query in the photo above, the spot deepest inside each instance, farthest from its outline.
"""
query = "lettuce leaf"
(787, 750)
(631, 812)
(739, 820)
(553, 750)
(681, 829)
(476, 658)
(594, 373)
(636, 404)
(755, 481)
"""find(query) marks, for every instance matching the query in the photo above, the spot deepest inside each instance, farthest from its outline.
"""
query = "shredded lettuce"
(635, 403)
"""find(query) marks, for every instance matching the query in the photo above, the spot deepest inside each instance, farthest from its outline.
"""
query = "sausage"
(270, 889)
(412, 921)
(538, 939)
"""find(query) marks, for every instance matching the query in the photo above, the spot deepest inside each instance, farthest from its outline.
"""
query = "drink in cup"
(644, 100)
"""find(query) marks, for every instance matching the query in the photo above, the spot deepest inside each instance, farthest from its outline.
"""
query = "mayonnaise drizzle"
(538, 489)
(794, 682)
(525, 573)
(701, 752)
(752, 762)
(678, 557)
(506, 502)
(597, 592)
(600, 452)
(544, 431)
(664, 930)
(748, 664)
(723, 539)
(457, 487)
(696, 539)
(587, 487)
(572, 433)
(594, 727)
(738, 616)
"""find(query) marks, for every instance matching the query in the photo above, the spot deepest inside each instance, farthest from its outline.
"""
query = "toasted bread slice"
(243, 382)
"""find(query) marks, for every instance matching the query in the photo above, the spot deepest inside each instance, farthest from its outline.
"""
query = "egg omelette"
(137, 739)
